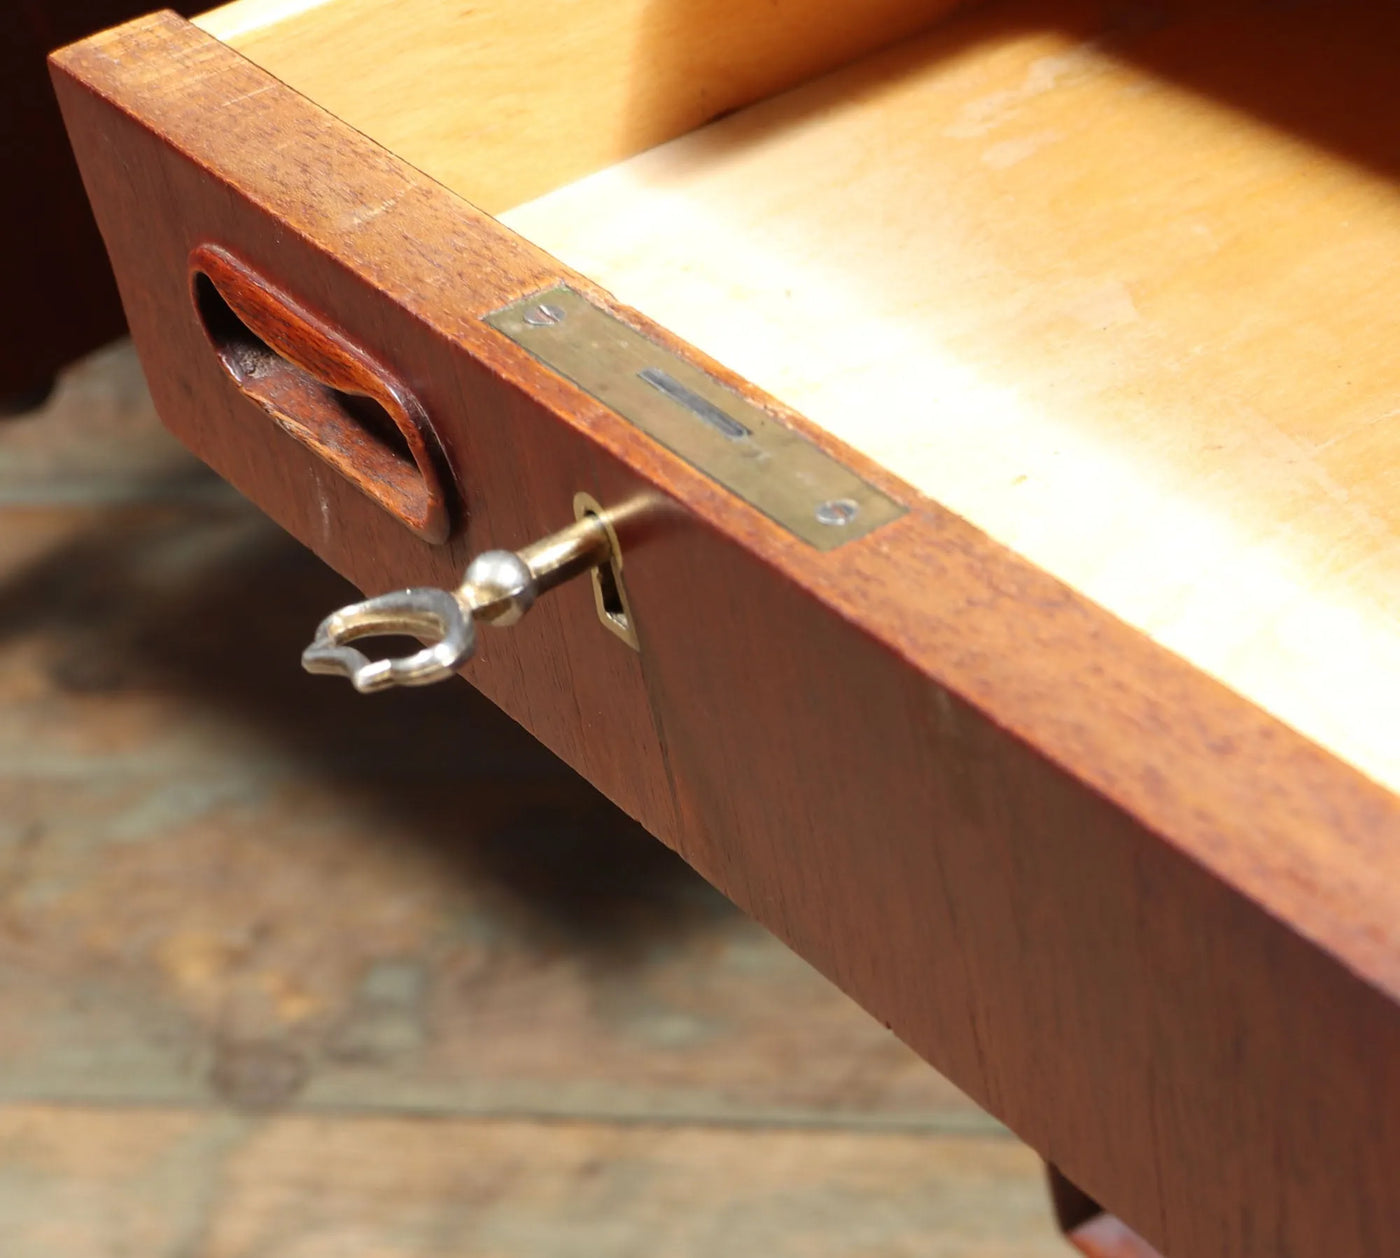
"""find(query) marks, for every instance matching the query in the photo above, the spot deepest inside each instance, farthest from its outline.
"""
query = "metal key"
(499, 587)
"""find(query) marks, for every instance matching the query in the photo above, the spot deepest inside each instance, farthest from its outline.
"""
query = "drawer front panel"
(511, 472)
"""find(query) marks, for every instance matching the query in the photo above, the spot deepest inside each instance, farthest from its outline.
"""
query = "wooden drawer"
(1074, 762)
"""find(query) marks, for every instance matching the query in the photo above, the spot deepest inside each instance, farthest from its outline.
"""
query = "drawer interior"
(1116, 283)
(503, 100)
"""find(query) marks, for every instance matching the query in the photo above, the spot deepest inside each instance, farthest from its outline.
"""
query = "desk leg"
(1089, 1227)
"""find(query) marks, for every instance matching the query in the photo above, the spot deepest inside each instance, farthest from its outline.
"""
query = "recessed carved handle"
(329, 393)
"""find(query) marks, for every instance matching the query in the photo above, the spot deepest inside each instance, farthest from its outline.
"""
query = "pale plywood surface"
(1058, 277)
(246, 18)
(285, 973)
(505, 99)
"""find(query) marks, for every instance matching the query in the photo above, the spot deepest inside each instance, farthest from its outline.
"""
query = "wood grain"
(1111, 374)
(171, 1183)
(307, 376)
(504, 100)
(1149, 927)
(215, 876)
(225, 901)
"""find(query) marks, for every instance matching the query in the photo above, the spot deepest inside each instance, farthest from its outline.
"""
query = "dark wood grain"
(1150, 928)
(240, 929)
(306, 375)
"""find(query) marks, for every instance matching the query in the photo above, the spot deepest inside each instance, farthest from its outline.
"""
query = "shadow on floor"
(208, 600)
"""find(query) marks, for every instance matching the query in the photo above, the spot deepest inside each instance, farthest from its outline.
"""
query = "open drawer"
(1043, 689)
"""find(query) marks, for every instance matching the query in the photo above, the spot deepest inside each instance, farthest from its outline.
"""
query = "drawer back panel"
(503, 100)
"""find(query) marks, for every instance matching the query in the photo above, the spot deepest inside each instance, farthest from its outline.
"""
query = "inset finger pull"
(499, 587)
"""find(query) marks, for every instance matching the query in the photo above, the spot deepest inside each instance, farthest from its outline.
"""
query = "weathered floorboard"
(278, 979)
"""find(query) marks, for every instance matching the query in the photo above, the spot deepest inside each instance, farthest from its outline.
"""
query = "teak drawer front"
(1147, 926)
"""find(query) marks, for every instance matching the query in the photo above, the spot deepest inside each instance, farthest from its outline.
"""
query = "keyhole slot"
(610, 597)
(609, 592)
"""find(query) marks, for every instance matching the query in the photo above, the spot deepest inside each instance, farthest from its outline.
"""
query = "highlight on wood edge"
(333, 396)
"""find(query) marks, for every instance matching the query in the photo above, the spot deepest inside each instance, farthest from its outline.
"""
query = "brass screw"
(838, 512)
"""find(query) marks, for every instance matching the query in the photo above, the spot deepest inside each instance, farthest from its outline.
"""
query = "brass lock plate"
(749, 451)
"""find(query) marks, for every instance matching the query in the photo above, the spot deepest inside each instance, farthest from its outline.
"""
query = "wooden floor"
(290, 973)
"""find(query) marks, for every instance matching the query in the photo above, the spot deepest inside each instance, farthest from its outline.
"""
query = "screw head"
(838, 512)
(544, 315)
